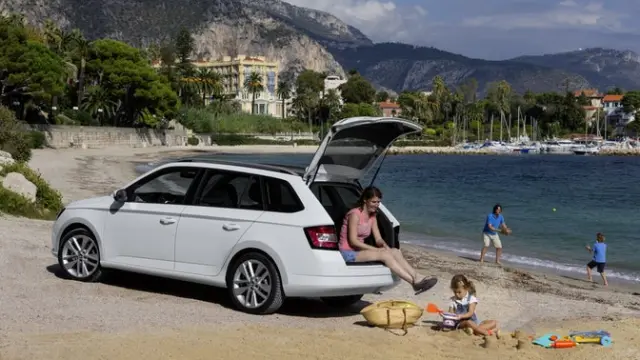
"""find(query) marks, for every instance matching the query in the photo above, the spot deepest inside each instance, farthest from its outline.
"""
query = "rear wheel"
(79, 256)
(342, 301)
(254, 284)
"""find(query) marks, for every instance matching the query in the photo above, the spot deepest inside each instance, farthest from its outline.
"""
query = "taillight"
(322, 237)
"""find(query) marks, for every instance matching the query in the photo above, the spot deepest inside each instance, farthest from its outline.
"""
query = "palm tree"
(284, 91)
(99, 102)
(209, 82)
(82, 48)
(253, 84)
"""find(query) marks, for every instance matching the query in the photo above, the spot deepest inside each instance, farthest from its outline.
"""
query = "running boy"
(599, 260)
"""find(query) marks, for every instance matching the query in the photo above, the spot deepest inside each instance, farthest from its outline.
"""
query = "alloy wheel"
(80, 256)
(252, 284)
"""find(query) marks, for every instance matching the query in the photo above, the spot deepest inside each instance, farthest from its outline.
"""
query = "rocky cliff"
(280, 31)
(301, 38)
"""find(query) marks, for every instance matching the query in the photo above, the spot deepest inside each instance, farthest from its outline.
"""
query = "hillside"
(603, 68)
(300, 38)
(402, 67)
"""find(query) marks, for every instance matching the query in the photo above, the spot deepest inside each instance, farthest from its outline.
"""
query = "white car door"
(224, 207)
(141, 231)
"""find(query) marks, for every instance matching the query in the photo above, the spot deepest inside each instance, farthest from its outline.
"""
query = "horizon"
(495, 29)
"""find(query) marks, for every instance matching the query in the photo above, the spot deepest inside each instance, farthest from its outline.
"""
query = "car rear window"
(281, 197)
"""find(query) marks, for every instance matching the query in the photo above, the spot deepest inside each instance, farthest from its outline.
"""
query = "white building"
(615, 116)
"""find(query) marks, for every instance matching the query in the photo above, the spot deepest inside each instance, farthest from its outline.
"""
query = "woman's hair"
(600, 237)
(461, 280)
(367, 194)
(496, 207)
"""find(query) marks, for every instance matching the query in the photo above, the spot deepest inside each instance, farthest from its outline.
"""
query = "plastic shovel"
(433, 308)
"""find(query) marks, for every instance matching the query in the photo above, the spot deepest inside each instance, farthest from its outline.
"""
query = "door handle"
(167, 221)
(230, 227)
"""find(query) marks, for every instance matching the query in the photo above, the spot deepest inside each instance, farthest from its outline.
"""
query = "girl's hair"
(600, 237)
(461, 280)
(367, 194)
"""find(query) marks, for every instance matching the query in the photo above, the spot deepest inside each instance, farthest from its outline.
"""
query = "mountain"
(295, 37)
(603, 68)
(405, 67)
(300, 38)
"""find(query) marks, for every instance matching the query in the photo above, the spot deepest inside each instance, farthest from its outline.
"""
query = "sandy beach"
(132, 316)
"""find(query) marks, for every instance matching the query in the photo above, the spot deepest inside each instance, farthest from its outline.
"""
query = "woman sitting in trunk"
(359, 223)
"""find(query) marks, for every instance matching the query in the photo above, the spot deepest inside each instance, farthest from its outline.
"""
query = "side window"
(168, 187)
(281, 197)
(230, 190)
(348, 195)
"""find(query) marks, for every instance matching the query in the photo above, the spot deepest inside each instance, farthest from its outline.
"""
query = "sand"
(132, 316)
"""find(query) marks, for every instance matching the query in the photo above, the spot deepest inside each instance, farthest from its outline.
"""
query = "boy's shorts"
(593, 264)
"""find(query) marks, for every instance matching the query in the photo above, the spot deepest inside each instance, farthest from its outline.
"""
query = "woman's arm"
(469, 314)
(352, 234)
(376, 235)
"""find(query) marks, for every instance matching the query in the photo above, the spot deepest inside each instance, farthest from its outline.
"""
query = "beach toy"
(392, 314)
(546, 340)
(449, 321)
(592, 337)
(433, 308)
(563, 344)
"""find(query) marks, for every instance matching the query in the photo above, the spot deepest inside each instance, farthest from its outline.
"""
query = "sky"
(493, 29)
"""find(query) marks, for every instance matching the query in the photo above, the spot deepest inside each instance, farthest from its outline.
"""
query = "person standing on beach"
(493, 224)
(599, 260)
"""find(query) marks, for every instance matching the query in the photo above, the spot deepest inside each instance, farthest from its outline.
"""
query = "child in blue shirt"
(599, 260)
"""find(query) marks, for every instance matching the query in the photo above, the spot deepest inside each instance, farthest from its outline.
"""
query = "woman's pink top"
(364, 229)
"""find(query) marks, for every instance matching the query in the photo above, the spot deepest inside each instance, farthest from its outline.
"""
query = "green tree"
(382, 96)
(358, 90)
(254, 85)
(284, 92)
(311, 81)
(129, 80)
(184, 45)
(631, 101)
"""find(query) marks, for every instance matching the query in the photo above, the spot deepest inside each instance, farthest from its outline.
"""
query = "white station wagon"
(263, 232)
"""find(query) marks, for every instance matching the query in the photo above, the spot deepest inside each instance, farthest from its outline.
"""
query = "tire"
(72, 246)
(265, 284)
(342, 301)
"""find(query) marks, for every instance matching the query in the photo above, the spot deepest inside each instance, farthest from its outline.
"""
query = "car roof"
(288, 170)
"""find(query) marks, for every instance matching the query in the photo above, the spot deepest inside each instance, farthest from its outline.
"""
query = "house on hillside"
(389, 108)
(595, 102)
(234, 73)
(615, 116)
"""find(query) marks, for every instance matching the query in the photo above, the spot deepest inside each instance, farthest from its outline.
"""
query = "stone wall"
(62, 136)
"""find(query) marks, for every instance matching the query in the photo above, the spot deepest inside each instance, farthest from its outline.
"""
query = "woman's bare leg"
(388, 260)
(489, 325)
(397, 254)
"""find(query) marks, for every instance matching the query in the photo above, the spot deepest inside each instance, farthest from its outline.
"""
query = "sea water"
(442, 202)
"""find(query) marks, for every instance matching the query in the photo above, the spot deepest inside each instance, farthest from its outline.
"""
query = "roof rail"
(279, 169)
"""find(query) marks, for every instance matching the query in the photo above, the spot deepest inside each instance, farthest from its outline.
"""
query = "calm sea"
(442, 201)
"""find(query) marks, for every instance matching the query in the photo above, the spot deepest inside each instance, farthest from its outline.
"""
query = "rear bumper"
(319, 286)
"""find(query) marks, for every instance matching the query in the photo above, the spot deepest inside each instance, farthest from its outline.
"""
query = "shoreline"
(137, 314)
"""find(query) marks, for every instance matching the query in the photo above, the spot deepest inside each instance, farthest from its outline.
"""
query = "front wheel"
(79, 256)
(341, 301)
(254, 284)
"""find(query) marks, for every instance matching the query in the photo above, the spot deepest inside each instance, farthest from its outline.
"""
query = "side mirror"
(120, 196)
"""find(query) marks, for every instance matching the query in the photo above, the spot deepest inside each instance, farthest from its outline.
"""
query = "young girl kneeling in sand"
(463, 304)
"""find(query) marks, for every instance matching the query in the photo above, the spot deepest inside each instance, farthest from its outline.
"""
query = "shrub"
(48, 200)
(37, 139)
(16, 204)
(207, 120)
(234, 139)
(193, 141)
(13, 138)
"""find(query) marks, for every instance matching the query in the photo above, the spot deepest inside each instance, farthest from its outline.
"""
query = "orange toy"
(563, 344)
